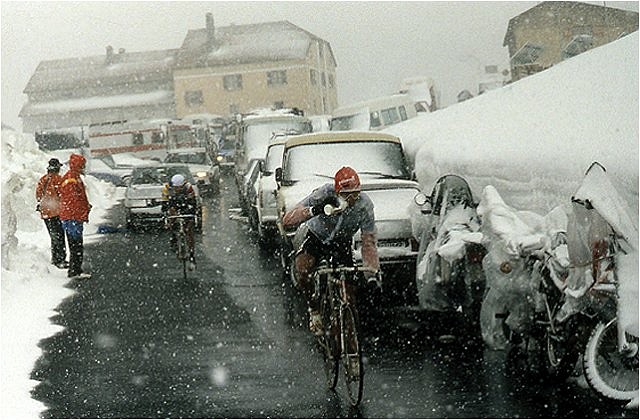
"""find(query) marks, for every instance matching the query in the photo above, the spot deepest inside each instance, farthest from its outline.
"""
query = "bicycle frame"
(341, 321)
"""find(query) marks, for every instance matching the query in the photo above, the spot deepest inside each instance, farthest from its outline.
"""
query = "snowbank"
(31, 287)
(534, 139)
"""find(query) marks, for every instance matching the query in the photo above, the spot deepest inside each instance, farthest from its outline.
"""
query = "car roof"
(340, 137)
(161, 165)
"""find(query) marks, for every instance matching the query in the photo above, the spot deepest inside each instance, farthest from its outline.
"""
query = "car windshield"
(258, 135)
(382, 159)
(274, 157)
(189, 158)
(158, 175)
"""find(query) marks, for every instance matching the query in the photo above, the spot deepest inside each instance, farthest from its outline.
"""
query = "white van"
(374, 114)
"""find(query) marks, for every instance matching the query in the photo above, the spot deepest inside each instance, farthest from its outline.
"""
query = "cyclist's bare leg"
(304, 265)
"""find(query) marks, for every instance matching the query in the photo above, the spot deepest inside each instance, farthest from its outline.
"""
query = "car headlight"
(201, 174)
(219, 158)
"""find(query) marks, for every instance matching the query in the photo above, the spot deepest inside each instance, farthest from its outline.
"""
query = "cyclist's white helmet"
(178, 180)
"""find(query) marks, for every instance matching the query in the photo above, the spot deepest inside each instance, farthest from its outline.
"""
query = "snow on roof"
(80, 72)
(99, 102)
(237, 44)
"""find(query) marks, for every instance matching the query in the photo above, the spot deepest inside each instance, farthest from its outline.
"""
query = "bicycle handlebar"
(181, 216)
(345, 269)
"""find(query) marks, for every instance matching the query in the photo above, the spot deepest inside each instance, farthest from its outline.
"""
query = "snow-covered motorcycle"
(526, 267)
(449, 274)
(603, 246)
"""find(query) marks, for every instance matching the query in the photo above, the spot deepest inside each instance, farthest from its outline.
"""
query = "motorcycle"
(449, 274)
(526, 267)
(603, 245)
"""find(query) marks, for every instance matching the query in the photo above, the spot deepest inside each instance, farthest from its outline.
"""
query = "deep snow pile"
(31, 286)
(534, 139)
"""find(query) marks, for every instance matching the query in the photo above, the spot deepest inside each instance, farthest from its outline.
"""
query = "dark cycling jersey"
(182, 199)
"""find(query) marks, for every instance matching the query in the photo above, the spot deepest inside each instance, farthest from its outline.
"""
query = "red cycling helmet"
(346, 180)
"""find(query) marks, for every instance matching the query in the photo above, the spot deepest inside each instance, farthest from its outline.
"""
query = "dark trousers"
(56, 233)
(74, 229)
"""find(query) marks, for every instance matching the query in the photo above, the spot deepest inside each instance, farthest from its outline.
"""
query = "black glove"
(375, 279)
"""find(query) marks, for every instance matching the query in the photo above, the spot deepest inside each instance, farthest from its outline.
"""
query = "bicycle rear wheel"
(352, 356)
(611, 373)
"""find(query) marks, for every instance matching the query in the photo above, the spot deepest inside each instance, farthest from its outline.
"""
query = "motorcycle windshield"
(598, 189)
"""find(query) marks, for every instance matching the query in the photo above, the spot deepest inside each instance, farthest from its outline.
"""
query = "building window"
(193, 98)
(157, 137)
(278, 77)
(321, 49)
(278, 105)
(332, 83)
(324, 80)
(137, 139)
(374, 119)
(403, 112)
(232, 82)
(313, 76)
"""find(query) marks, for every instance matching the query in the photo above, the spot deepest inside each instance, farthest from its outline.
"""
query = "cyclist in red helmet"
(320, 231)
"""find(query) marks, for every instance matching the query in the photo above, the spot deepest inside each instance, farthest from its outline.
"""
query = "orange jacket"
(74, 204)
(48, 195)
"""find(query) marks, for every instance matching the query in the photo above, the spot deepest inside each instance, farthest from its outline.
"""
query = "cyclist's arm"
(370, 257)
(310, 206)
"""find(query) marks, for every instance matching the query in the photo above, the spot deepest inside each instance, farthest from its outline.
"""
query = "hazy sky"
(376, 44)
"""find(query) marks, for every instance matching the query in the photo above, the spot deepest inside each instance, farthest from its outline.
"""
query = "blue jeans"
(74, 230)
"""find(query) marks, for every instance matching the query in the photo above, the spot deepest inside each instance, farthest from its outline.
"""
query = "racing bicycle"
(182, 248)
(335, 287)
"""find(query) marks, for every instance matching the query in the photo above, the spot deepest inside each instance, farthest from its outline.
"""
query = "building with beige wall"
(551, 32)
(239, 68)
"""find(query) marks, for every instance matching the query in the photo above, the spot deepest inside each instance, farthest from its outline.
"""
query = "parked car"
(115, 169)
(262, 191)
(252, 139)
(311, 160)
(205, 171)
(143, 196)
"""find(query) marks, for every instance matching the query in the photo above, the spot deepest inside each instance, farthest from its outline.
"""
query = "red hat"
(76, 162)
(346, 180)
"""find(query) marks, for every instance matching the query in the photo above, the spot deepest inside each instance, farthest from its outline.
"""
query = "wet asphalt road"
(140, 342)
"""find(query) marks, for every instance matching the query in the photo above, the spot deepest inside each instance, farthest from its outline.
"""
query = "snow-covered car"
(204, 170)
(115, 169)
(311, 160)
(143, 196)
(253, 134)
(264, 213)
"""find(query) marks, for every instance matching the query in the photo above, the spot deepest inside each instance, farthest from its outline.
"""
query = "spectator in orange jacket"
(74, 211)
(48, 197)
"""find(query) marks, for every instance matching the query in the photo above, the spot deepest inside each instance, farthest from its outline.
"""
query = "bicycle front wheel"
(611, 373)
(329, 342)
(352, 356)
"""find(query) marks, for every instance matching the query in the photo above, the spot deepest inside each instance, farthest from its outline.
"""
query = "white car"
(263, 213)
(143, 196)
(312, 160)
(205, 171)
